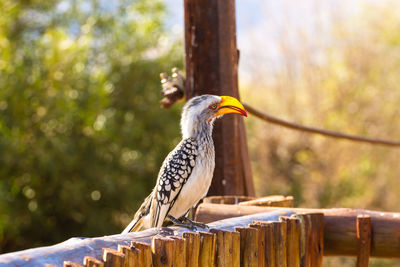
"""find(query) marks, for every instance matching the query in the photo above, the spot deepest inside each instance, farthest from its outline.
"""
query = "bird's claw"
(199, 224)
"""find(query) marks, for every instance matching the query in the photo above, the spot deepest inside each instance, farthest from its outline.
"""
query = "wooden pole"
(92, 262)
(261, 243)
(249, 256)
(192, 248)
(71, 264)
(145, 256)
(163, 251)
(207, 249)
(211, 68)
(131, 255)
(364, 240)
(113, 258)
(279, 232)
(180, 251)
(227, 248)
(293, 241)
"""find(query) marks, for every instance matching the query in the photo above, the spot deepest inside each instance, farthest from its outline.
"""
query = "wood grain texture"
(207, 249)
(293, 241)
(249, 256)
(364, 240)
(92, 262)
(163, 251)
(211, 68)
(340, 231)
(113, 258)
(192, 248)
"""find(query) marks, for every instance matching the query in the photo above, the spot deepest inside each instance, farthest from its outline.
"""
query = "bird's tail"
(134, 226)
(140, 219)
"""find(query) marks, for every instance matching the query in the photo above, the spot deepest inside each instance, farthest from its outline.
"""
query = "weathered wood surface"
(269, 201)
(75, 249)
(211, 68)
(340, 231)
(364, 240)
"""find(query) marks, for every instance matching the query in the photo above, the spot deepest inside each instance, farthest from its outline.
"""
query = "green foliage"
(81, 132)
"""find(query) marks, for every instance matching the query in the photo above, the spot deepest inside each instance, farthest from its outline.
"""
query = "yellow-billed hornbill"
(186, 174)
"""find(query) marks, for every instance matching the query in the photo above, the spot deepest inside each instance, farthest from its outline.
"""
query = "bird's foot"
(199, 224)
(182, 224)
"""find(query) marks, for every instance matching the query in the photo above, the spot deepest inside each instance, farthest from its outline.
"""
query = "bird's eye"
(213, 106)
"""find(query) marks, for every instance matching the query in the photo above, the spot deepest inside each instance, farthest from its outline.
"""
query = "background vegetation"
(81, 132)
(82, 136)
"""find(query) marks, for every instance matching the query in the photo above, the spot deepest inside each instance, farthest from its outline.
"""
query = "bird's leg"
(189, 221)
(180, 223)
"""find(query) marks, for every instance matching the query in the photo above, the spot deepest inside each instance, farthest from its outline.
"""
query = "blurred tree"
(81, 132)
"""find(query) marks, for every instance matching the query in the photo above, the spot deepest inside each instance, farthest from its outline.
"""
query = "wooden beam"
(211, 68)
(340, 230)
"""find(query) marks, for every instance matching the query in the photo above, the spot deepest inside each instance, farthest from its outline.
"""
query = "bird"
(186, 173)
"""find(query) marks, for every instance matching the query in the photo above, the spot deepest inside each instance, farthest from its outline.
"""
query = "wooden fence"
(278, 236)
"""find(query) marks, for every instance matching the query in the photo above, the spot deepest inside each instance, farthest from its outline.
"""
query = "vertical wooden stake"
(163, 251)
(261, 244)
(180, 251)
(227, 248)
(269, 243)
(249, 256)
(363, 240)
(131, 255)
(192, 248)
(279, 232)
(145, 256)
(312, 239)
(92, 262)
(113, 258)
(293, 241)
(207, 249)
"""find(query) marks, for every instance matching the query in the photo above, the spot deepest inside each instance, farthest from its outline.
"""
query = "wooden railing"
(264, 236)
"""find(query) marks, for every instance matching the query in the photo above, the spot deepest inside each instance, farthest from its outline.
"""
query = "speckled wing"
(174, 173)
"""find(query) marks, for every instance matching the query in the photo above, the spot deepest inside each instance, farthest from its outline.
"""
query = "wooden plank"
(163, 251)
(340, 231)
(113, 258)
(270, 250)
(248, 246)
(192, 248)
(211, 68)
(207, 249)
(364, 240)
(92, 262)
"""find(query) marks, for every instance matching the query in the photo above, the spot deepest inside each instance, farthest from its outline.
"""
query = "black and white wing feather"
(174, 173)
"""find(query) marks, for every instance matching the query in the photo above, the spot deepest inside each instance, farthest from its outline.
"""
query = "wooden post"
(207, 249)
(163, 251)
(248, 246)
(131, 255)
(261, 243)
(227, 248)
(293, 241)
(180, 251)
(364, 240)
(211, 68)
(269, 243)
(144, 253)
(279, 232)
(192, 248)
(92, 262)
(113, 258)
(312, 239)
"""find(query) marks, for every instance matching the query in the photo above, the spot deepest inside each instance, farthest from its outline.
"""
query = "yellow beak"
(230, 105)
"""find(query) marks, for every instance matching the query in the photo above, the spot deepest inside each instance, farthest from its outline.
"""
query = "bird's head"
(201, 111)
